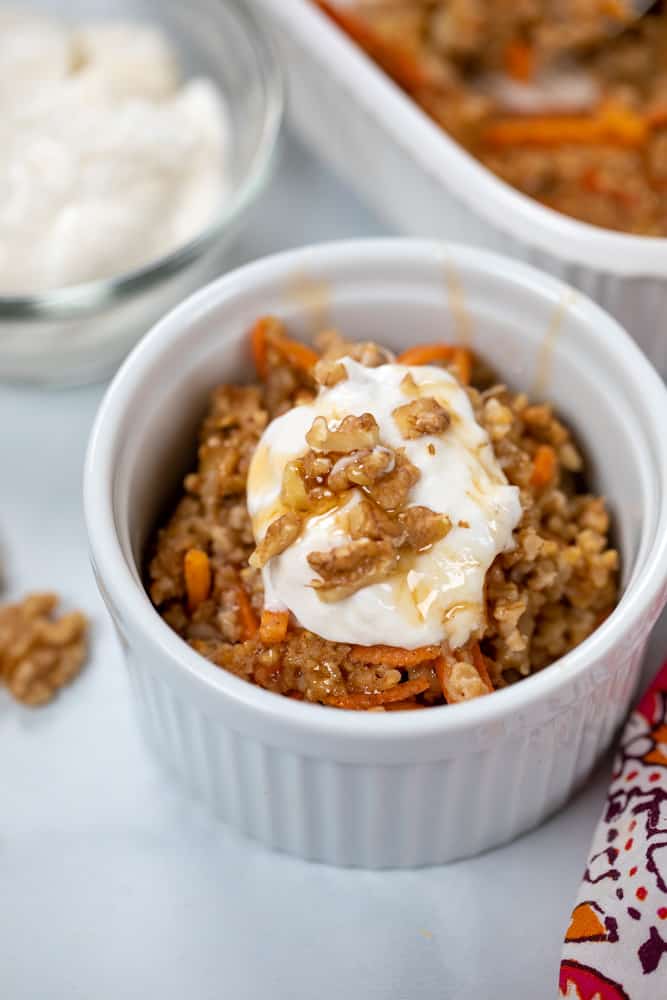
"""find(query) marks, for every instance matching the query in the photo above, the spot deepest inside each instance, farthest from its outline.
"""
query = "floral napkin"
(616, 944)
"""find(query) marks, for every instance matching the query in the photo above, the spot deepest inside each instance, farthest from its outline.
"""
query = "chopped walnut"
(361, 468)
(463, 681)
(423, 526)
(293, 492)
(352, 434)
(279, 535)
(315, 465)
(370, 355)
(329, 373)
(333, 346)
(347, 568)
(40, 653)
(367, 520)
(391, 492)
(421, 416)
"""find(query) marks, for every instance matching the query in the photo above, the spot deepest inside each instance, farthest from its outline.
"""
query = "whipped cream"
(439, 597)
(108, 161)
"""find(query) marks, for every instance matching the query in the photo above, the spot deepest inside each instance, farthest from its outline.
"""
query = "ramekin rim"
(131, 602)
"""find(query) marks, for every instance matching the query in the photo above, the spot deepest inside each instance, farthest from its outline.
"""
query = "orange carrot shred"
(268, 332)
(462, 362)
(460, 358)
(394, 59)
(403, 706)
(299, 355)
(479, 663)
(393, 656)
(258, 344)
(544, 466)
(247, 616)
(396, 694)
(616, 126)
(519, 61)
(424, 354)
(197, 571)
(273, 626)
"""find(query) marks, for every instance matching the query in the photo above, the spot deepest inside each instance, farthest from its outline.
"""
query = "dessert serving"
(565, 101)
(376, 532)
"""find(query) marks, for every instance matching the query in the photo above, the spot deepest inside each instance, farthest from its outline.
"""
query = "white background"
(114, 885)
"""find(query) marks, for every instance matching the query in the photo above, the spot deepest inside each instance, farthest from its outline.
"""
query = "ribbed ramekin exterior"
(404, 188)
(383, 816)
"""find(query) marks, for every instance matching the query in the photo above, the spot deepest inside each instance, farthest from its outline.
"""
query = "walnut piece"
(370, 354)
(329, 373)
(38, 652)
(293, 492)
(423, 526)
(464, 683)
(351, 434)
(360, 468)
(279, 535)
(367, 520)
(391, 492)
(333, 346)
(421, 416)
(347, 568)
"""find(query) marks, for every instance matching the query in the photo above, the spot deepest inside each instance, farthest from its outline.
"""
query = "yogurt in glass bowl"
(134, 139)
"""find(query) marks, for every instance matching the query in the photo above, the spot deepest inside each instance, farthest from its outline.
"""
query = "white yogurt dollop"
(440, 597)
(108, 161)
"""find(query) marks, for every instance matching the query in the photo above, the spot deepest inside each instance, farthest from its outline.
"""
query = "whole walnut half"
(40, 653)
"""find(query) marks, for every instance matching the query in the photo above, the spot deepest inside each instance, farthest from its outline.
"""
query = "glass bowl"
(80, 333)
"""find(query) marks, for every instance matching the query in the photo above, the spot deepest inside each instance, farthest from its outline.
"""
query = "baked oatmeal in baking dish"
(381, 533)
(566, 100)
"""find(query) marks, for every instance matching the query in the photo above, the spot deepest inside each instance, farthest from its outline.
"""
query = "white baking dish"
(412, 173)
(408, 788)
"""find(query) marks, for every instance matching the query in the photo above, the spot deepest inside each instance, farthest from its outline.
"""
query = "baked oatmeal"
(564, 100)
(372, 532)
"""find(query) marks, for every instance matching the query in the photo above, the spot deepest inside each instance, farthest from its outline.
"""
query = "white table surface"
(114, 885)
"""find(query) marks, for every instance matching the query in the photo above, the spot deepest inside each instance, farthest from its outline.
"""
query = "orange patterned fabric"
(616, 943)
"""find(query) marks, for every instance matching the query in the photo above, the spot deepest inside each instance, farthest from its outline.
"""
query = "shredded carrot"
(403, 706)
(268, 332)
(197, 570)
(611, 125)
(299, 355)
(396, 694)
(519, 61)
(544, 466)
(462, 362)
(396, 60)
(393, 656)
(479, 663)
(273, 626)
(249, 623)
(258, 344)
(441, 673)
(425, 354)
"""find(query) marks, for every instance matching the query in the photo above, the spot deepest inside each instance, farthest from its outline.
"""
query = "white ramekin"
(424, 183)
(400, 789)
